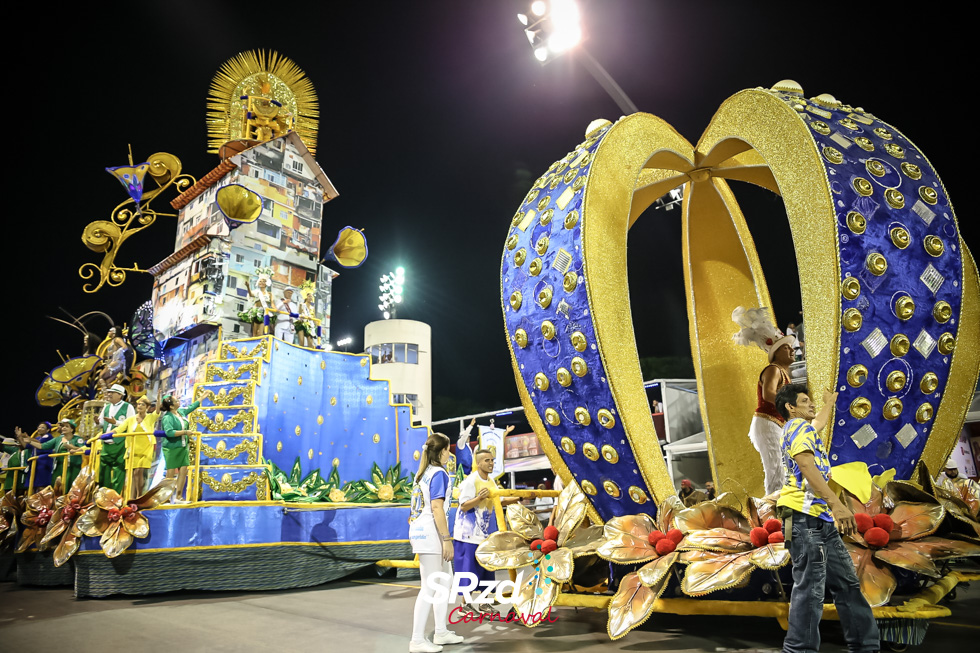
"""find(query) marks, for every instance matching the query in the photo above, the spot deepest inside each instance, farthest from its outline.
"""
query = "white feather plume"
(756, 327)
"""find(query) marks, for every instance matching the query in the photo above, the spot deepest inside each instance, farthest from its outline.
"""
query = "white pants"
(767, 438)
(284, 329)
(430, 563)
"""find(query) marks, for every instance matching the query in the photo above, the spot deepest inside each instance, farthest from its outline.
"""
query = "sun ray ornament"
(887, 285)
(258, 96)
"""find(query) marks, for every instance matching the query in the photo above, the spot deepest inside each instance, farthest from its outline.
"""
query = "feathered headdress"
(264, 273)
(758, 329)
(307, 288)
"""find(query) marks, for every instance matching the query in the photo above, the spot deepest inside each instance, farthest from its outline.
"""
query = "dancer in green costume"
(176, 452)
(112, 460)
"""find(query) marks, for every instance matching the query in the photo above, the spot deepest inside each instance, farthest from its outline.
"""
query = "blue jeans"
(820, 560)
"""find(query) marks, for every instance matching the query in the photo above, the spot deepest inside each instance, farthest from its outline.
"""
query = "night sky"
(435, 121)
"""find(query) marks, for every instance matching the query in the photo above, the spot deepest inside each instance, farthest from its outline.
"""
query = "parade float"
(891, 301)
(300, 463)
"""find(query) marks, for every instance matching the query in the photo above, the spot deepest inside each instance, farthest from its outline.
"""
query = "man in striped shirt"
(820, 559)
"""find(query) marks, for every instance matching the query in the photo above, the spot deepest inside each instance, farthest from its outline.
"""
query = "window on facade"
(239, 258)
(232, 282)
(268, 229)
(257, 262)
(236, 328)
(394, 352)
(240, 307)
(399, 352)
(297, 165)
(267, 204)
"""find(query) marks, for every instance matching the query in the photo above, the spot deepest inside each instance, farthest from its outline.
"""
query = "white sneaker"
(425, 646)
(448, 637)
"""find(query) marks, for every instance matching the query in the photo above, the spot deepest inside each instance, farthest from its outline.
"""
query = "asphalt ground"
(371, 614)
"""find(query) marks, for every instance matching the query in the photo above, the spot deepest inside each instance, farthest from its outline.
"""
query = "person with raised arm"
(68, 443)
(176, 449)
(475, 518)
(818, 519)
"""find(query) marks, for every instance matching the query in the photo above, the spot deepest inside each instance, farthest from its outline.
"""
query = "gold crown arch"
(755, 137)
(758, 137)
(258, 96)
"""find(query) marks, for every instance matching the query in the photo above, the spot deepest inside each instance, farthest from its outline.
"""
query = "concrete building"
(401, 352)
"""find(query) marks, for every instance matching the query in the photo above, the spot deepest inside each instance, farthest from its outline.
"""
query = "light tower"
(392, 292)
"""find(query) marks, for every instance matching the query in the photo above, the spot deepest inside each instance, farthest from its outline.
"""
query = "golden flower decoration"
(960, 520)
(550, 551)
(901, 536)
(40, 509)
(11, 508)
(337, 495)
(633, 539)
(68, 509)
(386, 492)
(722, 546)
(116, 523)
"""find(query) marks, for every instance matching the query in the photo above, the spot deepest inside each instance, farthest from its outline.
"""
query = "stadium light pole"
(553, 28)
(392, 292)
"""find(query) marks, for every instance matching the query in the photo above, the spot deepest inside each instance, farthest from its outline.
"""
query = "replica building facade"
(215, 261)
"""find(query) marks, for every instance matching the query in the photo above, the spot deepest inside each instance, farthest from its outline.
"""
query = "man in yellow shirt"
(820, 559)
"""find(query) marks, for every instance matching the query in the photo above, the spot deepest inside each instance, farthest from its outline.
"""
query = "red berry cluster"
(43, 516)
(69, 511)
(665, 543)
(769, 533)
(549, 543)
(875, 530)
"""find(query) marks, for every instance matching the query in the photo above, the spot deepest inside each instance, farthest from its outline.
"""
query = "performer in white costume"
(766, 428)
(428, 532)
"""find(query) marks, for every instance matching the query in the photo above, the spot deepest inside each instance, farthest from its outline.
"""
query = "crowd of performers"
(285, 317)
(125, 445)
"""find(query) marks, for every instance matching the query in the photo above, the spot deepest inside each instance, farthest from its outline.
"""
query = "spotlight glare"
(538, 8)
(387, 315)
(522, 18)
(541, 54)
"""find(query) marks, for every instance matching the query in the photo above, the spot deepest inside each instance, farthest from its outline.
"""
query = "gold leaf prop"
(716, 573)
(877, 583)
(630, 607)
(627, 539)
(534, 598)
(710, 514)
(915, 520)
(655, 574)
(584, 541)
(717, 539)
(524, 522)
(570, 509)
(504, 550)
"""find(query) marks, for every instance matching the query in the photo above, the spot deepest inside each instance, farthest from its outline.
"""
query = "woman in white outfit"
(429, 534)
